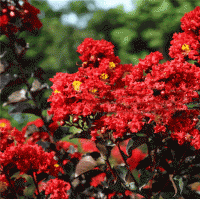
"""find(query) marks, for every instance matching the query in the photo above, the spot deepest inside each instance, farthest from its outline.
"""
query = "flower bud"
(75, 119)
(12, 14)
(4, 10)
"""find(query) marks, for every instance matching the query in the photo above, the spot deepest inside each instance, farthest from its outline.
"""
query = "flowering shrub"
(116, 108)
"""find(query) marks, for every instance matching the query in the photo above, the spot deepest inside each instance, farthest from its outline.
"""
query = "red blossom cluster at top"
(15, 17)
(132, 96)
(97, 50)
(186, 45)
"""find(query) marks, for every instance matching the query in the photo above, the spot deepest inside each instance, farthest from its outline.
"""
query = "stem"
(127, 166)
(174, 173)
(36, 184)
(12, 187)
(110, 168)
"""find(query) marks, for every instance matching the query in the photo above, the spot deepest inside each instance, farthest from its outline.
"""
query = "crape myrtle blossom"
(190, 22)
(94, 50)
(56, 188)
(130, 95)
(9, 136)
(185, 45)
(29, 158)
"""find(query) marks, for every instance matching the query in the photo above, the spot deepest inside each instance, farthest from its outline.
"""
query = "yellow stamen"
(186, 48)
(104, 76)
(56, 91)
(93, 90)
(56, 165)
(2, 124)
(76, 85)
(111, 65)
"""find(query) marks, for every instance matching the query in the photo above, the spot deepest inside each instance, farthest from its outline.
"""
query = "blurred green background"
(147, 28)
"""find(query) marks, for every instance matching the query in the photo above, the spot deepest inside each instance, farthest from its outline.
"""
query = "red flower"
(57, 189)
(9, 136)
(30, 158)
(185, 44)
(3, 20)
(4, 123)
(190, 21)
(93, 50)
(30, 19)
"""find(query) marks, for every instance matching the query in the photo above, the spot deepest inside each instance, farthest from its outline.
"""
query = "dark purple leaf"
(60, 133)
(4, 80)
(22, 107)
(3, 66)
(31, 129)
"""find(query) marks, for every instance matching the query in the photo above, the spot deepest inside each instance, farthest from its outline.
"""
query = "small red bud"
(75, 119)
(4, 10)
(12, 7)
(103, 130)
(92, 58)
(62, 123)
(162, 92)
(12, 14)
(26, 11)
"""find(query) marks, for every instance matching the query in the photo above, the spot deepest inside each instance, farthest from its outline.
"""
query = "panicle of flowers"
(95, 50)
(185, 45)
(190, 21)
(29, 159)
(57, 189)
(127, 94)
(9, 136)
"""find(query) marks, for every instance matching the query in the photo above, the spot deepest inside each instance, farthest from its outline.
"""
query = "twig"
(126, 164)
(36, 184)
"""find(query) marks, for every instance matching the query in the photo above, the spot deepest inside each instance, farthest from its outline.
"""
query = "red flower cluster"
(29, 158)
(129, 95)
(57, 189)
(186, 45)
(12, 11)
(190, 21)
(95, 50)
(9, 136)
